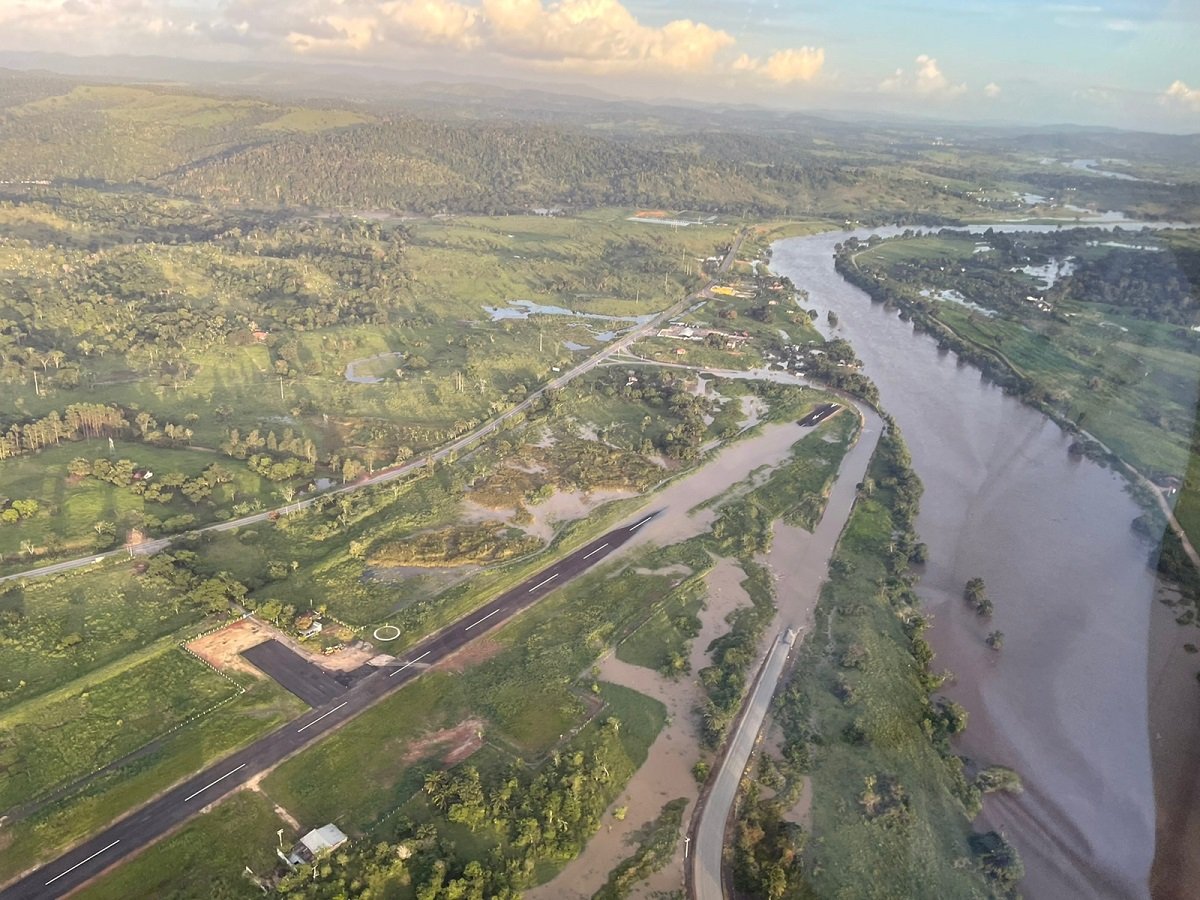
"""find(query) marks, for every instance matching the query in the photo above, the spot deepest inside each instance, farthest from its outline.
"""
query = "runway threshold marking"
(547, 581)
(211, 783)
(641, 523)
(409, 663)
(319, 718)
(481, 621)
(81, 862)
(597, 550)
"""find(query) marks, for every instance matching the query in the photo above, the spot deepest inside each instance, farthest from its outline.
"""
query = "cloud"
(785, 66)
(1180, 96)
(928, 81)
(992, 90)
(434, 21)
(598, 35)
(335, 34)
(585, 36)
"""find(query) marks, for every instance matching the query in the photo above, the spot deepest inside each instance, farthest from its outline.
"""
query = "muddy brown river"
(1092, 699)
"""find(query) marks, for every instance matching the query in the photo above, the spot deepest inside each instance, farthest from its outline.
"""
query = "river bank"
(1067, 703)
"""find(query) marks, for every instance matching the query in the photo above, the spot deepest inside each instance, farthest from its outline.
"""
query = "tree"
(975, 593)
(995, 640)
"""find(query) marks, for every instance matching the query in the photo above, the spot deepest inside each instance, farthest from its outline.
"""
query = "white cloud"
(435, 21)
(598, 35)
(586, 36)
(928, 80)
(1181, 96)
(339, 34)
(992, 90)
(785, 66)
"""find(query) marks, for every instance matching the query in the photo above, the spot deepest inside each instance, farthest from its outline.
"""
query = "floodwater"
(523, 309)
(1066, 703)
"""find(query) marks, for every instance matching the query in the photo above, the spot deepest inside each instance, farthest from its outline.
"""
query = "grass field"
(60, 628)
(527, 693)
(853, 709)
(120, 710)
(207, 859)
(72, 507)
(184, 752)
(662, 642)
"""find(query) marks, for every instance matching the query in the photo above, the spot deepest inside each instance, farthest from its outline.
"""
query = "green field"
(73, 732)
(72, 507)
(206, 859)
(58, 825)
(61, 628)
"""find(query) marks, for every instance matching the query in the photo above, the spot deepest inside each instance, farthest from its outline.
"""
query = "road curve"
(390, 474)
(710, 831)
(155, 819)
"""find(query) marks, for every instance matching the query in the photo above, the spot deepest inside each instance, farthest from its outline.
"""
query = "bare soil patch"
(457, 742)
(221, 649)
(476, 652)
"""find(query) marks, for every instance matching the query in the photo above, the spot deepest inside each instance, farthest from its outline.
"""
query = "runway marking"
(409, 663)
(319, 718)
(78, 864)
(481, 621)
(547, 581)
(597, 550)
(211, 783)
(641, 523)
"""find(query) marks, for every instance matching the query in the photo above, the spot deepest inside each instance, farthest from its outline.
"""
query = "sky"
(1126, 63)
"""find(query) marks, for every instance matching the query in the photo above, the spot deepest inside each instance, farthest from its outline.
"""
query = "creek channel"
(1089, 699)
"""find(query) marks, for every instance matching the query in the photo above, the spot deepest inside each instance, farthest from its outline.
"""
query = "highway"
(150, 547)
(158, 817)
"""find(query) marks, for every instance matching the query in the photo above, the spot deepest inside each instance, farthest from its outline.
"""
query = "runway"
(152, 821)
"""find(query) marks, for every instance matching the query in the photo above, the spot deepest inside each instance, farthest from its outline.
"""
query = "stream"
(1077, 700)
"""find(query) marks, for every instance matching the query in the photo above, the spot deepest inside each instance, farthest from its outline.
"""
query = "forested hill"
(436, 149)
(247, 151)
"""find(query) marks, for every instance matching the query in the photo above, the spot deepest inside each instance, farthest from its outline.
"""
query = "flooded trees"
(975, 593)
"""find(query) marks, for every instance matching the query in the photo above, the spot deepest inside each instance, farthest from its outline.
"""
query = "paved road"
(150, 547)
(156, 818)
(710, 832)
(812, 556)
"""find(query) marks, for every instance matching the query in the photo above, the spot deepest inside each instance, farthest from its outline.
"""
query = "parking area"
(309, 682)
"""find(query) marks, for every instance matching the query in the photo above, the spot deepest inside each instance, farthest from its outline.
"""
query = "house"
(316, 843)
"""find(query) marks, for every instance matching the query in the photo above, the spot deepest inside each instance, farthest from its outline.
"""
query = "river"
(1066, 703)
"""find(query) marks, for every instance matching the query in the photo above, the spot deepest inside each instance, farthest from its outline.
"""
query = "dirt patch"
(476, 652)
(255, 784)
(457, 743)
(221, 649)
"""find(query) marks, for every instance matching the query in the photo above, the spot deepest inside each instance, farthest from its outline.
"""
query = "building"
(316, 843)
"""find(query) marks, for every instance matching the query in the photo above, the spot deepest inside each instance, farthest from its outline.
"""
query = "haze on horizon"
(1120, 63)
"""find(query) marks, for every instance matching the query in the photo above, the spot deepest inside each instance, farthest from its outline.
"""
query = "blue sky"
(1116, 62)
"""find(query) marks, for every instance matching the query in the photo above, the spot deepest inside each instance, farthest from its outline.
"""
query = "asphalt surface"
(308, 681)
(710, 833)
(159, 816)
(448, 451)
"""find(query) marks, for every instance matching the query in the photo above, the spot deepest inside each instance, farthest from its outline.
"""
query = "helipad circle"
(391, 637)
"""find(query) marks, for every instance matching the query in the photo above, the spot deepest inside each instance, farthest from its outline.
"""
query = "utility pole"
(280, 388)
